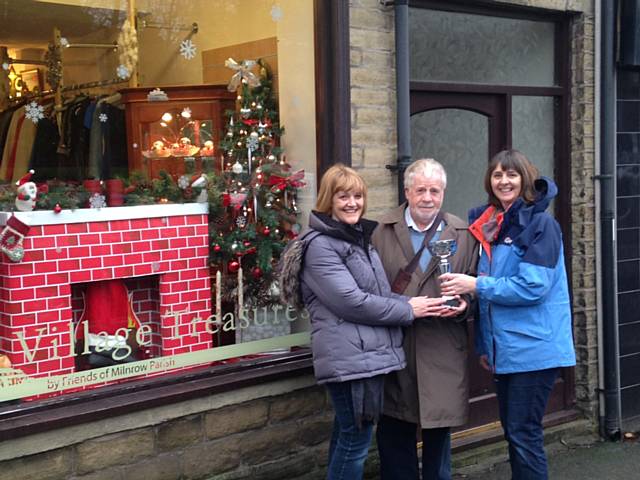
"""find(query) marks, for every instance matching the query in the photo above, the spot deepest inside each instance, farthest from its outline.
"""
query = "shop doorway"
(463, 130)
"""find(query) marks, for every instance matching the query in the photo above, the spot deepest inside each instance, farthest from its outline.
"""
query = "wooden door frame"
(493, 106)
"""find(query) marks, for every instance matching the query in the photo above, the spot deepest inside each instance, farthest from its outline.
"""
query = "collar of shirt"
(412, 224)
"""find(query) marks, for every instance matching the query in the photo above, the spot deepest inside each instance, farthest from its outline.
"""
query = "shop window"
(155, 131)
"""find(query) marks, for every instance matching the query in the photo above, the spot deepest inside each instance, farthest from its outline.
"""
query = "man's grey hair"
(427, 167)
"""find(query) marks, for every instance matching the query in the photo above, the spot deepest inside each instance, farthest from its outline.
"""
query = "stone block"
(377, 157)
(300, 466)
(366, 39)
(236, 418)
(270, 443)
(370, 19)
(114, 473)
(297, 405)
(53, 465)
(117, 449)
(179, 433)
(357, 157)
(316, 430)
(379, 59)
(372, 78)
(355, 57)
(373, 135)
(374, 116)
(374, 97)
(211, 458)
(161, 467)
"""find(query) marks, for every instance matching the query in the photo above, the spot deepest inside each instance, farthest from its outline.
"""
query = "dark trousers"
(399, 455)
(522, 398)
(349, 445)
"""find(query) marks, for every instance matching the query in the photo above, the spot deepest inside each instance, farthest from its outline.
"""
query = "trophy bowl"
(443, 249)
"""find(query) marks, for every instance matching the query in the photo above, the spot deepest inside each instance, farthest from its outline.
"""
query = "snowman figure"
(27, 193)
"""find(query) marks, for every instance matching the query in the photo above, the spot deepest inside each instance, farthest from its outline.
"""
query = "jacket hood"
(546, 190)
(360, 233)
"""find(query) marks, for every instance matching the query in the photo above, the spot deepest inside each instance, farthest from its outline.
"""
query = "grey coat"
(355, 318)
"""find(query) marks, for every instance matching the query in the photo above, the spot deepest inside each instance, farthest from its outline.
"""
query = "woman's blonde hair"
(339, 178)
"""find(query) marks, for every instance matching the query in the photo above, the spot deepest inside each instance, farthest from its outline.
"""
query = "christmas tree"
(256, 214)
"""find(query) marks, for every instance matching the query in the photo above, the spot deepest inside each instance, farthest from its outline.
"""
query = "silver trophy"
(443, 249)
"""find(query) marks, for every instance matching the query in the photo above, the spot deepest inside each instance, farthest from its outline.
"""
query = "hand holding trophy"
(443, 249)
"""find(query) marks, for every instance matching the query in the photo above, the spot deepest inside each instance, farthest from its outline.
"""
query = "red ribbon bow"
(294, 180)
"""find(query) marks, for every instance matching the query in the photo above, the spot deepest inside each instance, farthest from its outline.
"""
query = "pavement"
(602, 460)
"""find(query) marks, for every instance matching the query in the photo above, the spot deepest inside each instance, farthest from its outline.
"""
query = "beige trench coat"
(433, 390)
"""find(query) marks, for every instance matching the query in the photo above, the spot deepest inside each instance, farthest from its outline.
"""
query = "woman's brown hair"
(512, 160)
(339, 178)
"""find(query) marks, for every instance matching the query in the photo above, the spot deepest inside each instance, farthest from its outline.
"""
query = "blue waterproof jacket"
(522, 291)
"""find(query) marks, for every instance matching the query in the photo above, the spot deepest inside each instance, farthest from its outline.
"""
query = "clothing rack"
(100, 83)
(113, 45)
(193, 28)
(25, 62)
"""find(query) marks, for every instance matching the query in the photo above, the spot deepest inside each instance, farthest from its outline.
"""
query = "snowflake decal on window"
(252, 142)
(103, 117)
(276, 13)
(184, 181)
(97, 201)
(187, 49)
(241, 221)
(123, 72)
(34, 112)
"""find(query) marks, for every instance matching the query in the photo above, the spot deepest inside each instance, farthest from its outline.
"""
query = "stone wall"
(281, 435)
(583, 222)
(373, 101)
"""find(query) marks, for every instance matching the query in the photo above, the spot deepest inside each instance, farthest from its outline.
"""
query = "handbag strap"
(413, 264)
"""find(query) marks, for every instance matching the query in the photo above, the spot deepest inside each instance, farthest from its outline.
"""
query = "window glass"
(533, 130)
(462, 47)
(459, 140)
(164, 186)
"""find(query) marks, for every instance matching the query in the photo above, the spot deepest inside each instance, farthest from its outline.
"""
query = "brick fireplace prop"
(75, 247)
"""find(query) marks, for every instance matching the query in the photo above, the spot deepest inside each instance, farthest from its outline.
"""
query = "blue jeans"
(349, 445)
(399, 455)
(522, 399)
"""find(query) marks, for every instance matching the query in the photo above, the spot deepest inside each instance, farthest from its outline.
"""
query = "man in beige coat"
(431, 394)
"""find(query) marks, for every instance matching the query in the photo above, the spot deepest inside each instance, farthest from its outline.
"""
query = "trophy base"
(451, 301)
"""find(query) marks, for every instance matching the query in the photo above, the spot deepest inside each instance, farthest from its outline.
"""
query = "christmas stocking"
(11, 238)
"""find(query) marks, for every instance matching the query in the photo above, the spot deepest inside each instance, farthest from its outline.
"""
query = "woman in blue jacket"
(356, 320)
(524, 334)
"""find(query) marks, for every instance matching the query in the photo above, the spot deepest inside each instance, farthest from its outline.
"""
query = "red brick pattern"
(36, 293)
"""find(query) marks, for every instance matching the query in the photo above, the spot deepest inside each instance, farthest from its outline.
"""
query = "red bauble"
(217, 248)
(266, 231)
(57, 208)
(246, 243)
(256, 272)
(234, 266)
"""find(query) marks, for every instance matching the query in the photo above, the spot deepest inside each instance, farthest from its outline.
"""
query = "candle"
(240, 290)
(218, 296)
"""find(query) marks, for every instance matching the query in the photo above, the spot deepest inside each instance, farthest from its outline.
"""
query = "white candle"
(240, 290)
(218, 296)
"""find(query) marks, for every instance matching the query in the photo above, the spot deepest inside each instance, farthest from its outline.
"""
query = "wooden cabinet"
(176, 135)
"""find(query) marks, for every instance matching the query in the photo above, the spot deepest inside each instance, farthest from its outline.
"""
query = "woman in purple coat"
(356, 320)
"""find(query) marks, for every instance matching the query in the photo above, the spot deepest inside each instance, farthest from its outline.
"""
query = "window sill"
(20, 420)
